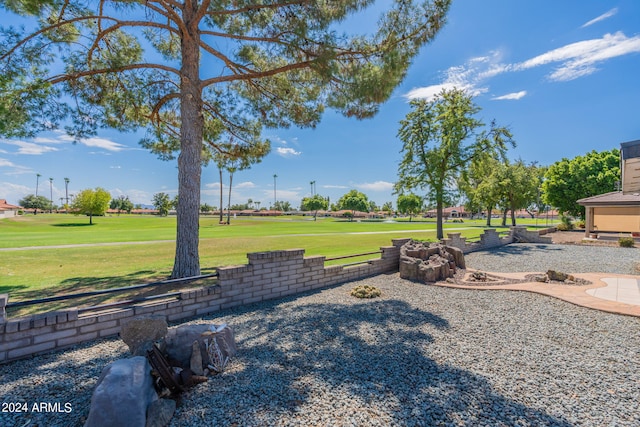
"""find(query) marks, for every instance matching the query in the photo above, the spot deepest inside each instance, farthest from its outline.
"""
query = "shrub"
(565, 223)
(365, 291)
(580, 224)
(626, 242)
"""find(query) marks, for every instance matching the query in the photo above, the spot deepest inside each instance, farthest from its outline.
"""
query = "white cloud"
(602, 17)
(14, 192)
(579, 59)
(97, 142)
(514, 95)
(376, 186)
(339, 187)
(246, 184)
(468, 77)
(30, 148)
(573, 61)
(13, 168)
(6, 163)
(287, 152)
(286, 195)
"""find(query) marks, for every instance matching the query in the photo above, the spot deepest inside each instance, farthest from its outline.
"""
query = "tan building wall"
(622, 219)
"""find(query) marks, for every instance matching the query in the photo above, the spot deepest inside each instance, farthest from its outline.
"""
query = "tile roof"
(612, 198)
(6, 206)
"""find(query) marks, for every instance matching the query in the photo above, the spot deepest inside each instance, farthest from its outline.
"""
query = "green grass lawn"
(62, 268)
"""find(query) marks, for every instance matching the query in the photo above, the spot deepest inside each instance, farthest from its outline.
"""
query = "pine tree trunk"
(489, 211)
(187, 260)
(229, 204)
(439, 231)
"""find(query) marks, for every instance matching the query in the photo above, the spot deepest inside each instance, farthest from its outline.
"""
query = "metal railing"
(113, 291)
(354, 256)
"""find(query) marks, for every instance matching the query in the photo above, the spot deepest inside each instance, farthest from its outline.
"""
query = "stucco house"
(617, 211)
(7, 210)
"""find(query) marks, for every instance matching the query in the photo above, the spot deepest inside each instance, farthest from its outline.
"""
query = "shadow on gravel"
(522, 249)
(370, 358)
(47, 383)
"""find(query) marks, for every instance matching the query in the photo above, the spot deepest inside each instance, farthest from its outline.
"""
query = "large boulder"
(141, 332)
(122, 394)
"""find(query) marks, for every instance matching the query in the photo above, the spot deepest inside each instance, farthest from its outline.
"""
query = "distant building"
(617, 211)
(7, 210)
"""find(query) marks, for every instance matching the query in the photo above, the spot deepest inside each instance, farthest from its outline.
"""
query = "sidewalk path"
(613, 293)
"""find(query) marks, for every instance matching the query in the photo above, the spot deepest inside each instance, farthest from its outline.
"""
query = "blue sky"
(563, 75)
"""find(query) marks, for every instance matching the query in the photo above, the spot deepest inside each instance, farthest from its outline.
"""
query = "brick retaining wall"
(268, 275)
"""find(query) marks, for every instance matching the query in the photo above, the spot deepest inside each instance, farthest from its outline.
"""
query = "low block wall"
(268, 275)
(491, 239)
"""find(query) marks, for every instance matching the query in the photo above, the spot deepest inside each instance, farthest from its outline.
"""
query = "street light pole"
(51, 194)
(66, 189)
(275, 198)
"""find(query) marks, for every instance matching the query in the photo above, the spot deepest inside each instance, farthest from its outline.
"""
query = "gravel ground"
(533, 257)
(418, 355)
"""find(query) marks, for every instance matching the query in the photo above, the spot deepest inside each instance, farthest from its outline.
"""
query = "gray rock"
(178, 343)
(160, 412)
(122, 394)
(196, 359)
(140, 333)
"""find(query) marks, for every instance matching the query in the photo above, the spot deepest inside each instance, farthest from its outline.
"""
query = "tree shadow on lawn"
(73, 224)
(74, 285)
(365, 357)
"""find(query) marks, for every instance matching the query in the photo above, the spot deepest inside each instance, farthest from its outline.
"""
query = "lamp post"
(275, 198)
(37, 181)
(51, 194)
(66, 189)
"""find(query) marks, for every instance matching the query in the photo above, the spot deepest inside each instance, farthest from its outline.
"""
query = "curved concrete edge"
(573, 294)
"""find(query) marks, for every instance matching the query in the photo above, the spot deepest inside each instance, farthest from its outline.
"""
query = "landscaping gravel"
(532, 257)
(419, 355)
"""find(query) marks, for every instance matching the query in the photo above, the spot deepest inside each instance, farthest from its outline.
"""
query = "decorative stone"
(426, 262)
(178, 344)
(160, 412)
(141, 332)
(558, 276)
(196, 359)
(123, 394)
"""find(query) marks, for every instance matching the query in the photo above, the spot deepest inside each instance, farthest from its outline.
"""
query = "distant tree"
(162, 202)
(239, 207)
(479, 187)
(91, 202)
(314, 203)
(373, 207)
(36, 203)
(409, 204)
(354, 200)
(569, 180)
(388, 208)
(516, 185)
(282, 206)
(122, 203)
(440, 138)
(205, 208)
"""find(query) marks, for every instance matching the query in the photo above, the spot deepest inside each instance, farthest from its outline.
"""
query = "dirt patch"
(577, 238)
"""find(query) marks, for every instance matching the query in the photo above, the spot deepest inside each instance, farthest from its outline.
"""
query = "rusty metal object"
(162, 369)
